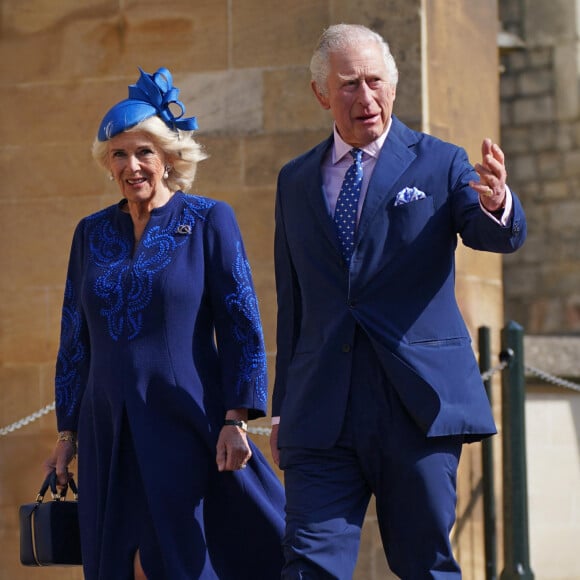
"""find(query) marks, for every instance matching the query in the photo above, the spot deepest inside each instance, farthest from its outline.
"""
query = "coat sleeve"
(238, 327)
(289, 311)
(74, 350)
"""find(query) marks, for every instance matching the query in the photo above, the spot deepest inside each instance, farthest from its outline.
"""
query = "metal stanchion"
(515, 495)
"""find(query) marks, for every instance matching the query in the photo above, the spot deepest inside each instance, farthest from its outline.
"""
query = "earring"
(111, 178)
(167, 170)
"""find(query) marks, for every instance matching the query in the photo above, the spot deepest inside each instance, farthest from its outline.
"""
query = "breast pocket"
(409, 220)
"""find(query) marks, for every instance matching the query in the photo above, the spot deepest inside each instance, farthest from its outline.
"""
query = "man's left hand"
(492, 176)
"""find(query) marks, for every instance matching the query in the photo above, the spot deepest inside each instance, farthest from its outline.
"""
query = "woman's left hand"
(233, 451)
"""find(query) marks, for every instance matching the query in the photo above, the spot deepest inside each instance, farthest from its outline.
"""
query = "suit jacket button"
(346, 348)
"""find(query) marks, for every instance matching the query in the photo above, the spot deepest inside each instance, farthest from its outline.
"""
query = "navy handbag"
(49, 531)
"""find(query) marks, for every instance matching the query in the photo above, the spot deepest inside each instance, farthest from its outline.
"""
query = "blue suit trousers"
(380, 452)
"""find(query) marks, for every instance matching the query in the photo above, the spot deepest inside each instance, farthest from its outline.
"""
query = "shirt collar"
(373, 149)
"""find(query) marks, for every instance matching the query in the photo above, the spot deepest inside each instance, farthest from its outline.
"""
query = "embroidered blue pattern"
(242, 305)
(68, 380)
(125, 285)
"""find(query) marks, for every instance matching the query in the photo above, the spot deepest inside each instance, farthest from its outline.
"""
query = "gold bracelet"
(68, 436)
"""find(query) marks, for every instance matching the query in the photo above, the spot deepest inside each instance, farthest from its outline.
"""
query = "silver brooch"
(183, 229)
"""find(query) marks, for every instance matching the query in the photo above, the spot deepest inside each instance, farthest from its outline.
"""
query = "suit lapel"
(395, 157)
(312, 184)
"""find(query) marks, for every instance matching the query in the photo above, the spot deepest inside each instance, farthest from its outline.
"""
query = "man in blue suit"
(377, 387)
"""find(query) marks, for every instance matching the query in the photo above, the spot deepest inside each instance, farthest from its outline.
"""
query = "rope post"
(489, 509)
(515, 495)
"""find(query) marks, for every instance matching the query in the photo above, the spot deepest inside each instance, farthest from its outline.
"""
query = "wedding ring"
(488, 192)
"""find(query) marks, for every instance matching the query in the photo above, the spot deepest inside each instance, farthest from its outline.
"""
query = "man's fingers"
(497, 153)
(486, 147)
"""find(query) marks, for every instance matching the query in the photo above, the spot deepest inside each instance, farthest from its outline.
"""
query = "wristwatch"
(237, 423)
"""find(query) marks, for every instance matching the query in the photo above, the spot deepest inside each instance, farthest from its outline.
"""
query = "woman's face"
(137, 165)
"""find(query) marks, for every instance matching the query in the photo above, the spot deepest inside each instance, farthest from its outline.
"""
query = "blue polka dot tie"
(347, 204)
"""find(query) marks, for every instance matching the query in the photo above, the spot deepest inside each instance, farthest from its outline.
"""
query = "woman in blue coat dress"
(161, 363)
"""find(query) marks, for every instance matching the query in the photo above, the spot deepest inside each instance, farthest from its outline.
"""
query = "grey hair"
(340, 36)
(181, 151)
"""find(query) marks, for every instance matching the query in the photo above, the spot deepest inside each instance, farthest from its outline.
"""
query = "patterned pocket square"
(408, 195)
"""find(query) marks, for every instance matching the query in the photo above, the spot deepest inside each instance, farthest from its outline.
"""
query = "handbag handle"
(57, 495)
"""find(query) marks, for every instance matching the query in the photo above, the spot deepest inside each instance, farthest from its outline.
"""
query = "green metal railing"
(514, 469)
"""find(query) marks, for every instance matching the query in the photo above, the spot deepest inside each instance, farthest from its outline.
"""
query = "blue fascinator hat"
(151, 95)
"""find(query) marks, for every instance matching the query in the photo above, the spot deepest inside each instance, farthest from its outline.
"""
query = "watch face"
(237, 423)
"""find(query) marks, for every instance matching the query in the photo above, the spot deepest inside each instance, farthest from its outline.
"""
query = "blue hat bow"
(151, 95)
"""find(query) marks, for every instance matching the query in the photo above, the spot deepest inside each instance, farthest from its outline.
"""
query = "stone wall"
(540, 130)
(241, 66)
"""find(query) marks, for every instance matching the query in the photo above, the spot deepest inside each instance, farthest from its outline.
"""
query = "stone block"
(535, 82)
(564, 136)
(228, 101)
(534, 110)
(49, 170)
(26, 337)
(565, 80)
(113, 40)
(255, 212)
(266, 154)
(481, 303)
(564, 215)
(509, 11)
(540, 57)
(549, 165)
(515, 139)
(189, 37)
(19, 379)
(506, 113)
(547, 23)
(544, 315)
(555, 189)
(67, 112)
(290, 104)
(575, 131)
(516, 61)
(36, 32)
(223, 170)
(45, 244)
(522, 168)
(572, 163)
(477, 265)
(524, 281)
(543, 136)
(508, 86)
(271, 34)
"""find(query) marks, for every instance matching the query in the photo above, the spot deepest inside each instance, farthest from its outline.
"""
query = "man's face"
(358, 94)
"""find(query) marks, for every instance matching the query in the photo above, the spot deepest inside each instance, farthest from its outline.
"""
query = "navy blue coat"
(399, 290)
(156, 344)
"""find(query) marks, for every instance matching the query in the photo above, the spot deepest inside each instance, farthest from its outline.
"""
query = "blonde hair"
(341, 36)
(181, 151)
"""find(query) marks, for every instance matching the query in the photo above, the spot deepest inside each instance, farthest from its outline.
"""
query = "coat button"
(346, 348)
